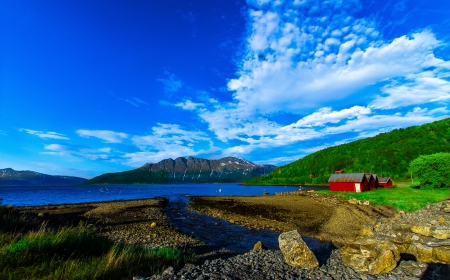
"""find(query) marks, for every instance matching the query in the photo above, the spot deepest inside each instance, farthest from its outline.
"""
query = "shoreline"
(323, 217)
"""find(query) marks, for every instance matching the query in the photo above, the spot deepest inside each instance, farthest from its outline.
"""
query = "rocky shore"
(380, 243)
(405, 246)
(140, 222)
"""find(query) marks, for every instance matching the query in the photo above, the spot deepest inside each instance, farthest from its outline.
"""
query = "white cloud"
(279, 160)
(73, 151)
(298, 60)
(45, 135)
(106, 135)
(421, 89)
(326, 115)
(167, 141)
(378, 122)
(189, 105)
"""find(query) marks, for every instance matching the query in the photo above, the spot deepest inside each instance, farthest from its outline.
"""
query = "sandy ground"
(324, 217)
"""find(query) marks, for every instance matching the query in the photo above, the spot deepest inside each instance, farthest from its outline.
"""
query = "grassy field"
(28, 252)
(407, 198)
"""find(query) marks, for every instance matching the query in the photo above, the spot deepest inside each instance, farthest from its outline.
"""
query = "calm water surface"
(216, 232)
(31, 196)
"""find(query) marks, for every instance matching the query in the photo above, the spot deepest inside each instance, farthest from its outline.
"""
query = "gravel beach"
(128, 221)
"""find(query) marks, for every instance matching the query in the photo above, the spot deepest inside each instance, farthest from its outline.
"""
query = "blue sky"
(89, 87)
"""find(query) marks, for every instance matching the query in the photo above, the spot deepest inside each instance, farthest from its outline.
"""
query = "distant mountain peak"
(11, 177)
(188, 170)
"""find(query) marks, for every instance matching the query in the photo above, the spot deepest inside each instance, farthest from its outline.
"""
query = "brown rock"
(370, 256)
(442, 254)
(366, 231)
(259, 246)
(353, 201)
(422, 229)
(295, 251)
(441, 232)
(422, 252)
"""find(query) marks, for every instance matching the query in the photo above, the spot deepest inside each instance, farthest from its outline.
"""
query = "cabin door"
(357, 187)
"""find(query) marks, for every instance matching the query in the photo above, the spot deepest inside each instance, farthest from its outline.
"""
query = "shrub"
(433, 170)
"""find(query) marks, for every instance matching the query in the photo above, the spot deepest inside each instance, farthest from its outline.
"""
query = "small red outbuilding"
(350, 182)
(385, 182)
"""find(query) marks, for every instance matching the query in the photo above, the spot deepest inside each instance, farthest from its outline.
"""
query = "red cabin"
(350, 182)
(373, 181)
(385, 182)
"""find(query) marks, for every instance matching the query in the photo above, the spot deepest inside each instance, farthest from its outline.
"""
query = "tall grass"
(78, 253)
(402, 198)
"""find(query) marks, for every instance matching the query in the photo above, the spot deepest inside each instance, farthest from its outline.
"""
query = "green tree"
(433, 170)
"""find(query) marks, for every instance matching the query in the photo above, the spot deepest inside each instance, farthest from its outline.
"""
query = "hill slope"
(387, 154)
(190, 170)
(11, 177)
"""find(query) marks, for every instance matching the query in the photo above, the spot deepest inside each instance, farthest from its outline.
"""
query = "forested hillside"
(387, 154)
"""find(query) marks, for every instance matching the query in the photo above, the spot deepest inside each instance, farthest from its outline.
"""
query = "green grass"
(402, 198)
(76, 253)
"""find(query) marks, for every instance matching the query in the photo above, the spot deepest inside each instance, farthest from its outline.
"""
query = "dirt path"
(323, 217)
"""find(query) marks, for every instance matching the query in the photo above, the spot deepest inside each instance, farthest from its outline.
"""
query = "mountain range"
(190, 170)
(11, 177)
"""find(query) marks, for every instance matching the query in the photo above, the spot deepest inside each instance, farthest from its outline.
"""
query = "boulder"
(295, 251)
(370, 256)
(259, 246)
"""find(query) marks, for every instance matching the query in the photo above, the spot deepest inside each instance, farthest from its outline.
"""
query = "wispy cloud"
(136, 102)
(45, 135)
(76, 151)
(139, 101)
(131, 102)
(171, 82)
(106, 135)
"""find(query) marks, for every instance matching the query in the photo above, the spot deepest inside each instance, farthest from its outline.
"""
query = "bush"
(433, 170)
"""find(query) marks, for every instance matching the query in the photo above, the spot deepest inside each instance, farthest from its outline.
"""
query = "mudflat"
(325, 217)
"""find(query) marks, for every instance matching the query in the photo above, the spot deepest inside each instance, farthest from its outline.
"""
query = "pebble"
(269, 264)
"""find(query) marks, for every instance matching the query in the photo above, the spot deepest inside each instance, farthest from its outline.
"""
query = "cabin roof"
(346, 178)
(384, 179)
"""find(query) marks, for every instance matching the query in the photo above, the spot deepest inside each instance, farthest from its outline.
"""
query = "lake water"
(31, 196)
(219, 233)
